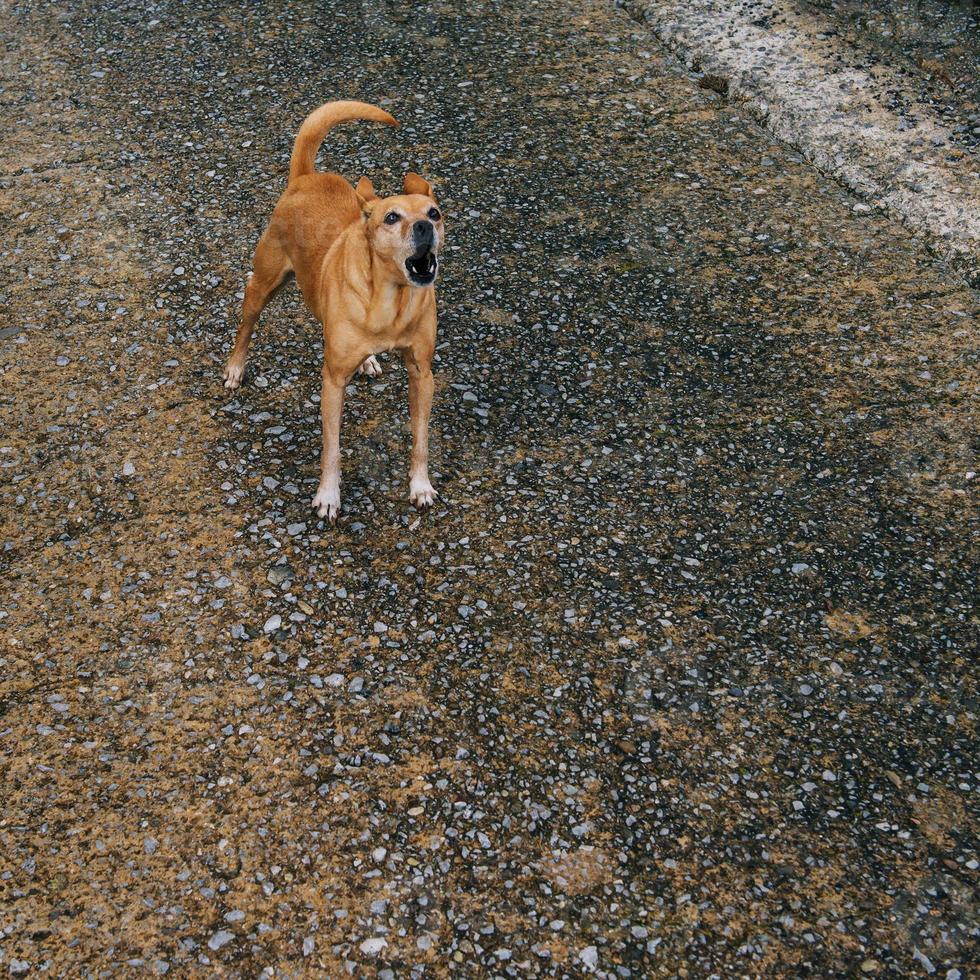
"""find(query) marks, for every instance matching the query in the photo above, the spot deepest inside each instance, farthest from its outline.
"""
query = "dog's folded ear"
(365, 191)
(414, 184)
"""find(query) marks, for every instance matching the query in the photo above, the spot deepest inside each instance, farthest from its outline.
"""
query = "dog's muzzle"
(423, 264)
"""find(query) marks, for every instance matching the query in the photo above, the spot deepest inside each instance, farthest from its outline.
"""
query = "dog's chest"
(392, 317)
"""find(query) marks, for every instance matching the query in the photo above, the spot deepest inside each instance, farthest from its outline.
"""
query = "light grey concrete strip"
(835, 101)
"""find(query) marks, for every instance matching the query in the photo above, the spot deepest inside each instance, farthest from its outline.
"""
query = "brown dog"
(366, 267)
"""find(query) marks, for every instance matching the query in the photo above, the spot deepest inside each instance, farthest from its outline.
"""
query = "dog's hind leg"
(370, 367)
(270, 267)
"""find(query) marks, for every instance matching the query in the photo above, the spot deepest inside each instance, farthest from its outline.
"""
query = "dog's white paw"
(421, 494)
(327, 503)
(233, 375)
(371, 367)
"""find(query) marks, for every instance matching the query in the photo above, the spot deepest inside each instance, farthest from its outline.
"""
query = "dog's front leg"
(420, 387)
(327, 499)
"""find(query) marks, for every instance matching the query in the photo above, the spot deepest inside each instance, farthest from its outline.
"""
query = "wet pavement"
(678, 677)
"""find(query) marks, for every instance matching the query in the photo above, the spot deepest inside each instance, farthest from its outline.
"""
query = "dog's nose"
(422, 232)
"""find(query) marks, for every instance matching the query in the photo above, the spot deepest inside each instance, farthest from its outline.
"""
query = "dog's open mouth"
(422, 268)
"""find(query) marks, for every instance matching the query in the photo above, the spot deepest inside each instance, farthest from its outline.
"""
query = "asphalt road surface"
(678, 676)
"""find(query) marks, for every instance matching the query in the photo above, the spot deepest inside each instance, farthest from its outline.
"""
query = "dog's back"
(309, 217)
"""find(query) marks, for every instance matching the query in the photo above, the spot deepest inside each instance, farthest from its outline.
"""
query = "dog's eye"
(392, 217)
(434, 214)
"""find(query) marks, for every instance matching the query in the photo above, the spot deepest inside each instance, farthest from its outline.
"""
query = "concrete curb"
(828, 97)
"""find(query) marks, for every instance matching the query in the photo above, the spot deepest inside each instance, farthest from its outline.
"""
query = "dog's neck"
(388, 296)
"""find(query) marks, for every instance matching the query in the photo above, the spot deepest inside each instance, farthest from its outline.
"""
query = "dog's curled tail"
(319, 122)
